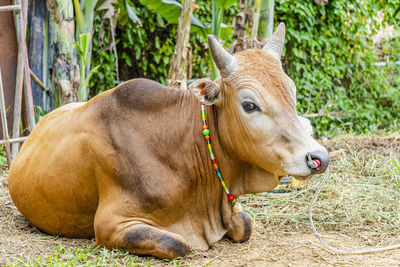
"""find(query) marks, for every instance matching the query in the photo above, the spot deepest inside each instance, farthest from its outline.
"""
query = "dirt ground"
(270, 245)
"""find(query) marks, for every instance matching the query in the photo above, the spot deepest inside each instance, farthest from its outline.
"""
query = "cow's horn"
(274, 44)
(225, 62)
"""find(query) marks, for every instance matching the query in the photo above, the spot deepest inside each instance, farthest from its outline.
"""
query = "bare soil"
(270, 245)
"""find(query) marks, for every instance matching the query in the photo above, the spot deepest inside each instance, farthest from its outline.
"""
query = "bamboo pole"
(13, 140)
(177, 76)
(4, 121)
(18, 84)
(10, 8)
(28, 85)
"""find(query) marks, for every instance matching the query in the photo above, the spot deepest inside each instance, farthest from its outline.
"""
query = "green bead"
(206, 132)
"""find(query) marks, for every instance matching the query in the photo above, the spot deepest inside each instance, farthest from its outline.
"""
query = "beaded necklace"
(206, 132)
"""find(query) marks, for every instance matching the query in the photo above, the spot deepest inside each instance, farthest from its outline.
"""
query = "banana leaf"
(170, 10)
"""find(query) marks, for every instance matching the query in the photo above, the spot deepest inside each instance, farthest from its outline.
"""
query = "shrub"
(329, 54)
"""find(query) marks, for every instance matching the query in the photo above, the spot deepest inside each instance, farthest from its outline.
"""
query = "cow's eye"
(250, 107)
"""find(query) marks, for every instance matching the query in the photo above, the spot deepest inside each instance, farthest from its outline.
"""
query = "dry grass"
(362, 192)
(357, 208)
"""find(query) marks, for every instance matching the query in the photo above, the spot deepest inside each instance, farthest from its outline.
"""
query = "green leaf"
(169, 9)
(80, 18)
(132, 14)
(225, 3)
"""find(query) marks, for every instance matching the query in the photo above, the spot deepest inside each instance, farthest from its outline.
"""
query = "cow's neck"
(208, 198)
(211, 210)
(231, 168)
(240, 176)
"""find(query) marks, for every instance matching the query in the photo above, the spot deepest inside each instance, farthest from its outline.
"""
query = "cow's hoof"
(241, 227)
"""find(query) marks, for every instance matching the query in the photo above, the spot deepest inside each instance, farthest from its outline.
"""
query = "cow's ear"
(206, 91)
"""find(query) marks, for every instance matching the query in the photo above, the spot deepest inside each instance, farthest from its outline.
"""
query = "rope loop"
(334, 250)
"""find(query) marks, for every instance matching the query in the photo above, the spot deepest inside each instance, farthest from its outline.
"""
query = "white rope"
(334, 250)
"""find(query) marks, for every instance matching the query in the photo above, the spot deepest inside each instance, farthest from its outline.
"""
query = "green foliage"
(330, 56)
(145, 51)
(3, 158)
(170, 10)
(83, 48)
(131, 13)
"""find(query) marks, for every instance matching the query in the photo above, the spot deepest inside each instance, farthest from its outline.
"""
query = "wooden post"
(177, 76)
(18, 82)
(10, 8)
(27, 76)
(8, 57)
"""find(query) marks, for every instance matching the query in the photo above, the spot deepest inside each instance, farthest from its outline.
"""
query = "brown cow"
(131, 166)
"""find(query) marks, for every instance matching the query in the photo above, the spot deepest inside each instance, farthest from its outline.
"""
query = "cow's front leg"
(113, 231)
(148, 240)
(241, 227)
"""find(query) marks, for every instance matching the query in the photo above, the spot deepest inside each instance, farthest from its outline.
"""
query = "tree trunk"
(62, 52)
(177, 76)
(36, 53)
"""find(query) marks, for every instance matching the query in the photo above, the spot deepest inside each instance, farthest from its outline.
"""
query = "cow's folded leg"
(241, 227)
(147, 240)
(137, 238)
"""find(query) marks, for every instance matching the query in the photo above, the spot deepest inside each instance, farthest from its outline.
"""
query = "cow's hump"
(145, 95)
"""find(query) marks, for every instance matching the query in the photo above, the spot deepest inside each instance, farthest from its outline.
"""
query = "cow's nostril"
(320, 161)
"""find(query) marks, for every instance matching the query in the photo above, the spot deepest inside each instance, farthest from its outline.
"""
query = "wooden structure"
(8, 60)
(14, 60)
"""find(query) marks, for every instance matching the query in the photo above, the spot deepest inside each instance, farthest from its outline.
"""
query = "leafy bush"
(144, 51)
(329, 54)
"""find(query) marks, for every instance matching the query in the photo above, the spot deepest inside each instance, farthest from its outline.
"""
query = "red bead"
(231, 198)
(318, 162)
(205, 127)
(207, 137)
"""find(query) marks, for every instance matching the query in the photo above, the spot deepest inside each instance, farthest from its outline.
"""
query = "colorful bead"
(206, 132)
(223, 184)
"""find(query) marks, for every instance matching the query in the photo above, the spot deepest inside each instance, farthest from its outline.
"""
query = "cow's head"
(257, 117)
